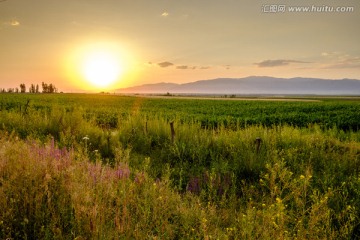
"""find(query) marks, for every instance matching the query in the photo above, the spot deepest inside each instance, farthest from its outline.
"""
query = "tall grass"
(303, 184)
(65, 175)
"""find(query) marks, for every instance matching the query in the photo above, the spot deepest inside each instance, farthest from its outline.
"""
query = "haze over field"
(92, 45)
(254, 85)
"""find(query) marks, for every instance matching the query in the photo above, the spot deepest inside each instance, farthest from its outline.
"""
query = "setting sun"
(100, 65)
(101, 68)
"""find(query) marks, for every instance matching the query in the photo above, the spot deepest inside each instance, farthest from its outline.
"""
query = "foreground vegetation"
(107, 167)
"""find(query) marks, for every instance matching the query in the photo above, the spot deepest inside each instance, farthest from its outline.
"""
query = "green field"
(87, 166)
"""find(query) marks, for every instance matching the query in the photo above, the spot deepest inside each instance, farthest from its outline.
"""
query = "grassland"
(77, 166)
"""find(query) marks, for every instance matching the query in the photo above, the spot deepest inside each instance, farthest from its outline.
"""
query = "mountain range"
(253, 85)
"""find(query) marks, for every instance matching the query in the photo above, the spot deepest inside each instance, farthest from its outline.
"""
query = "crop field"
(90, 166)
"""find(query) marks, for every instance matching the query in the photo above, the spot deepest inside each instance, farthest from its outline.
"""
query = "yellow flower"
(302, 176)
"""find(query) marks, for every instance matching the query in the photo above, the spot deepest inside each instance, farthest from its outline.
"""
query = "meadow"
(89, 166)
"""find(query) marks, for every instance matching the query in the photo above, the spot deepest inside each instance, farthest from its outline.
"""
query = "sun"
(101, 65)
(101, 68)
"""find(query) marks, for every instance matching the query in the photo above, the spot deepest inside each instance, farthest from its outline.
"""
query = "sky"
(175, 41)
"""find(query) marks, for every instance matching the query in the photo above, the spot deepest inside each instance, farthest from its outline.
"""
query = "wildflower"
(302, 176)
(194, 185)
(86, 138)
(122, 172)
(278, 200)
(139, 178)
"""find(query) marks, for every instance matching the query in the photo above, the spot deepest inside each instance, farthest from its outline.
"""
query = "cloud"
(11, 23)
(340, 60)
(349, 62)
(165, 14)
(330, 54)
(277, 63)
(165, 64)
(182, 67)
(14, 23)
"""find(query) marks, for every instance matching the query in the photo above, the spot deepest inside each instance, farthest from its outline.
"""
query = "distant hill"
(254, 85)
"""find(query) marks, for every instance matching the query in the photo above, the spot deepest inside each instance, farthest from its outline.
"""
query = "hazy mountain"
(150, 88)
(254, 85)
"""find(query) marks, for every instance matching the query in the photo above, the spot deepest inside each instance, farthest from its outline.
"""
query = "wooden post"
(26, 107)
(258, 144)
(172, 131)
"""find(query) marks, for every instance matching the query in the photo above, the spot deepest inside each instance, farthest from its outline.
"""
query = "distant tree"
(48, 88)
(32, 88)
(51, 88)
(17, 90)
(10, 90)
(37, 88)
(44, 87)
(22, 88)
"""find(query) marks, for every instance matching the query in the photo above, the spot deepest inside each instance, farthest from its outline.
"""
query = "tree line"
(46, 88)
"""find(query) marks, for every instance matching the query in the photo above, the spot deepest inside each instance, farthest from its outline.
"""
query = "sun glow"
(100, 66)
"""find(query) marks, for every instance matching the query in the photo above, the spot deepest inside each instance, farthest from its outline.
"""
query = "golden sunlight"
(99, 65)
(101, 68)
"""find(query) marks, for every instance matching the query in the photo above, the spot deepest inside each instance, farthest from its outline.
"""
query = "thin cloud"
(183, 67)
(14, 23)
(165, 14)
(340, 60)
(11, 23)
(277, 63)
(330, 54)
(165, 64)
(349, 62)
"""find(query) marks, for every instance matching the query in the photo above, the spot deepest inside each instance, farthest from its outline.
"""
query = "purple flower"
(194, 185)
(122, 171)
